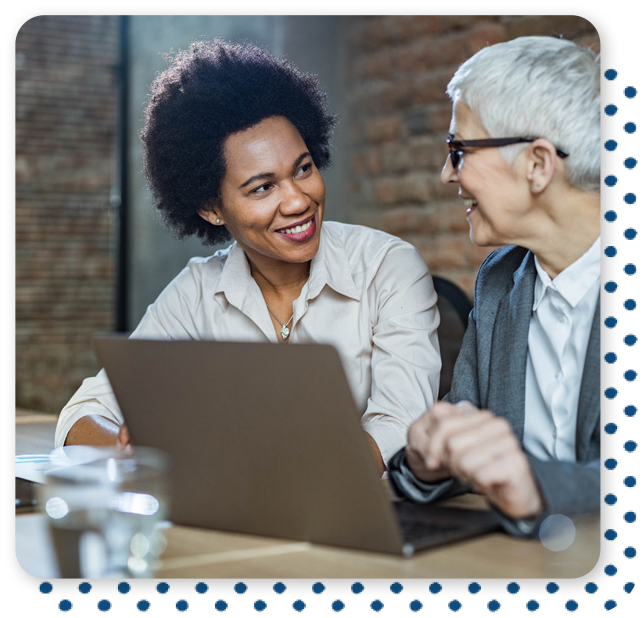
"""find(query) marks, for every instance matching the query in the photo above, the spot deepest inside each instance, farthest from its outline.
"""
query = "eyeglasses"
(456, 146)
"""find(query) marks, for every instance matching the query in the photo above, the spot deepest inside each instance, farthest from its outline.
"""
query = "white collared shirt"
(369, 294)
(559, 331)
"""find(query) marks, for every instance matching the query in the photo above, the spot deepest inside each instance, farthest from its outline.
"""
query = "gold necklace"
(285, 331)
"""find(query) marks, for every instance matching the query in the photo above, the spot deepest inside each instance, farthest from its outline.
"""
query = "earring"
(218, 221)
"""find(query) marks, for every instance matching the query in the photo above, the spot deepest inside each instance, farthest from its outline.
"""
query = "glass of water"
(106, 510)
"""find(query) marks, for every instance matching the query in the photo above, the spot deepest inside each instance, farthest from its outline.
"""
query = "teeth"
(470, 202)
(297, 229)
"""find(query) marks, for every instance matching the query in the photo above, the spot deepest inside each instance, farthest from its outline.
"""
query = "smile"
(470, 204)
(297, 229)
(299, 233)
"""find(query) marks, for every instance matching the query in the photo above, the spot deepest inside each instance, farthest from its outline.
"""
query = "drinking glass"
(106, 509)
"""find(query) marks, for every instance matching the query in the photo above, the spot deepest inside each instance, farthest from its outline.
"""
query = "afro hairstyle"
(207, 93)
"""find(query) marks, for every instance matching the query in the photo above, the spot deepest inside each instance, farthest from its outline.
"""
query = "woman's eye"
(262, 188)
(304, 169)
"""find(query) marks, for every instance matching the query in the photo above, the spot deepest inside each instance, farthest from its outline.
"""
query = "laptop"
(266, 439)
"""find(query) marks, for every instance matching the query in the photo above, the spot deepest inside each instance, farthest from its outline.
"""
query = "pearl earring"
(218, 221)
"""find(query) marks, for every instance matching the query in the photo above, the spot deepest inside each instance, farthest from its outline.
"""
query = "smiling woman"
(272, 196)
(234, 142)
(521, 423)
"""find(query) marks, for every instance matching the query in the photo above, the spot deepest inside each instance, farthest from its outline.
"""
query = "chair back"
(454, 307)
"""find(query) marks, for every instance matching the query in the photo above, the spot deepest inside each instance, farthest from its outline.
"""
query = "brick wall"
(65, 118)
(397, 70)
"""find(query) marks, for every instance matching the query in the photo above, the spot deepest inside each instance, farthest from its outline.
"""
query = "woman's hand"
(123, 442)
(480, 449)
(423, 449)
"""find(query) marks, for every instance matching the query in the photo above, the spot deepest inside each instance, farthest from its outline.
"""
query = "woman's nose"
(449, 173)
(294, 200)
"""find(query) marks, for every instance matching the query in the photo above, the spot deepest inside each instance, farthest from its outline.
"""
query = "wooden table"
(199, 553)
(34, 432)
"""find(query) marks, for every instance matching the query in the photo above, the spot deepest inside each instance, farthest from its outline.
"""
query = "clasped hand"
(480, 450)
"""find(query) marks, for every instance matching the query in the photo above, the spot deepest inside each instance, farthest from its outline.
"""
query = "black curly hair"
(206, 94)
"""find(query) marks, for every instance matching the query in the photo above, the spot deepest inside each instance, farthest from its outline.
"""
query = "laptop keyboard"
(415, 530)
(429, 525)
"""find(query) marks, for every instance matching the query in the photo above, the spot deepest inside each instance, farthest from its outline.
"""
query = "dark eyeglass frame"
(456, 146)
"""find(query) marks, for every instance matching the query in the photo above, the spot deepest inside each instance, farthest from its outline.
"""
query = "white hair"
(538, 86)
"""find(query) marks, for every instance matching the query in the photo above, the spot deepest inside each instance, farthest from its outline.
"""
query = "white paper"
(33, 467)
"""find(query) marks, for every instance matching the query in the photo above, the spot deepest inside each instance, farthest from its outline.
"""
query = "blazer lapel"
(508, 358)
(589, 400)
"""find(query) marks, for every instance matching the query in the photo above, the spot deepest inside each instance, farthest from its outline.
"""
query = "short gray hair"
(538, 86)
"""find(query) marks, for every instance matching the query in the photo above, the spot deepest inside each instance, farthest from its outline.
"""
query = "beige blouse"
(369, 294)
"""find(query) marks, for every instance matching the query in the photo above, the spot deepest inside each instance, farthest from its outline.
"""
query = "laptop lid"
(263, 438)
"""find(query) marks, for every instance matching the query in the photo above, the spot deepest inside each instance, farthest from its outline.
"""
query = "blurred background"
(91, 252)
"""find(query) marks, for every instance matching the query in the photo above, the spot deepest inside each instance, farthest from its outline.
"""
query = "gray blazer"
(490, 373)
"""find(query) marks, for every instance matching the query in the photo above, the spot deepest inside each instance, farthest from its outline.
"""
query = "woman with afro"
(234, 142)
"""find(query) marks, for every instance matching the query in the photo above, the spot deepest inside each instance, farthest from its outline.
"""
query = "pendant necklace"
(285, 331)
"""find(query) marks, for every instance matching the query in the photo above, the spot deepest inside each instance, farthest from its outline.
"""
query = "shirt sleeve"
(406, 485)
(406, 357)
(568, 488)
(169, 317)
(94, 396)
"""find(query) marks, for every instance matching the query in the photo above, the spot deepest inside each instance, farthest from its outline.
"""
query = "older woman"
(521, 422)
(234, 141)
